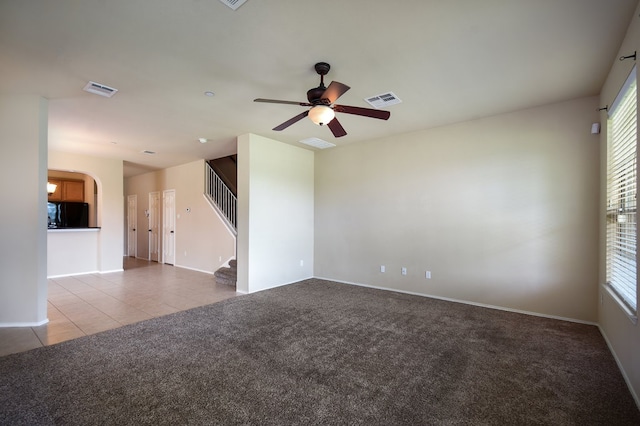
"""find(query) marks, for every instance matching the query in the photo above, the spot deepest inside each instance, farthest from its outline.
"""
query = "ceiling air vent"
(384, 100)
(99, 89)
(233, 4)
(317, 143)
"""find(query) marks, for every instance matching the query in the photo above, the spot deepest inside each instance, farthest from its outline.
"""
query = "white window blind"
(621, 194)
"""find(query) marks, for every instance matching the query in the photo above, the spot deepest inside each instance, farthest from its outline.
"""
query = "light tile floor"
(87, 304)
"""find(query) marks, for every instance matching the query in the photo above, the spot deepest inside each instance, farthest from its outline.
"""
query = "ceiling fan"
(321, 100)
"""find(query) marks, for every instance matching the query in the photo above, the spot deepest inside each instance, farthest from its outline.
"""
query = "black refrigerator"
(66, 214)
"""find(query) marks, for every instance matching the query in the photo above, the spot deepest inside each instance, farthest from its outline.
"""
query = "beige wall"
(202, 240)
(275, 213)
(621, 333)
(23, 218)
(501, 210)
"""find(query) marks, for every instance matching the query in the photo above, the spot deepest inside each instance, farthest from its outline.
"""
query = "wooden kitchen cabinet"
(73, 190)
(67, 190)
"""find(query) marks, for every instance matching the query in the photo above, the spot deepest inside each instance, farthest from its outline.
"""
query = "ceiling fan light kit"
(321, 114)
(321, 100)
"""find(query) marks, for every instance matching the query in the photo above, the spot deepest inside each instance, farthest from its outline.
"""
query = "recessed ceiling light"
(209, 93)
(203, 140)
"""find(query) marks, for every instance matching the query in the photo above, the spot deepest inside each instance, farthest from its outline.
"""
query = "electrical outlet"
(382, 268)
(404, 271)
(427, 275)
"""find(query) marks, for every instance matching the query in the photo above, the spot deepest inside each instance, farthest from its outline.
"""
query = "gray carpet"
(318, 352)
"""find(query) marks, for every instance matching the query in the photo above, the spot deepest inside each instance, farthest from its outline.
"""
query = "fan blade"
(276, 101)
(291, 121)
(334, 91)
(366, 112)
(336, 128)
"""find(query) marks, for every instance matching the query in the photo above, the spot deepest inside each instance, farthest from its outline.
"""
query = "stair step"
(233, 263)
(226, 276)
(226, 281)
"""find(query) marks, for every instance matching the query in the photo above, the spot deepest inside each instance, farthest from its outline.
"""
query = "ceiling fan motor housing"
(314, 95)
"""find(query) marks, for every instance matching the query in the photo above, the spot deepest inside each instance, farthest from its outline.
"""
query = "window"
(621, 194)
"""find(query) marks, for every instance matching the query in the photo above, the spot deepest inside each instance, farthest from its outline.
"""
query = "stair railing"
(221, 197)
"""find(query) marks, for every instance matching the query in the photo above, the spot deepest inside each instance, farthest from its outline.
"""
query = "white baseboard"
(620, 367)
(76, 274)
(73, 275)
(283, 284)
(23, 324)
(465, 302)
(194, 269)
(111, 270)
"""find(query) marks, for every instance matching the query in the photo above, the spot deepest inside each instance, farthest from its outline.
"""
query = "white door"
(132, 225)
(169, 226)
(154, 226)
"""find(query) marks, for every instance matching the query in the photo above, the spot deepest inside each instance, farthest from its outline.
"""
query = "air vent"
(148, 152)
(233, 4)
(100, 89)
(317, 143)
(383, 100)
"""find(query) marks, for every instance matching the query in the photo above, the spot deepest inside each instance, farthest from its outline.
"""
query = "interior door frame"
(155, 226)
(132, 225)
(168, 220)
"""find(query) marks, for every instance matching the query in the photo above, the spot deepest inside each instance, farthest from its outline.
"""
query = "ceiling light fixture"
(203, 140)
(209, 93)
(321, 114)
(51, 188)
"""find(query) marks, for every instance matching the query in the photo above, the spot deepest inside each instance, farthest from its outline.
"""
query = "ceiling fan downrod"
(314, 96)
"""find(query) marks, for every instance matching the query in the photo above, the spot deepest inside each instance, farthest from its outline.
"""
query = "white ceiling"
(448, 61)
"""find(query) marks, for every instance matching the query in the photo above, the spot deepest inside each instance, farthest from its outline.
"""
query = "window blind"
(621, 194)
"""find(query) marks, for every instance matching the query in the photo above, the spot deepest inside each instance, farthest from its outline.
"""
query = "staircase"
(221, 176)
(227, 275)
(221, 198)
